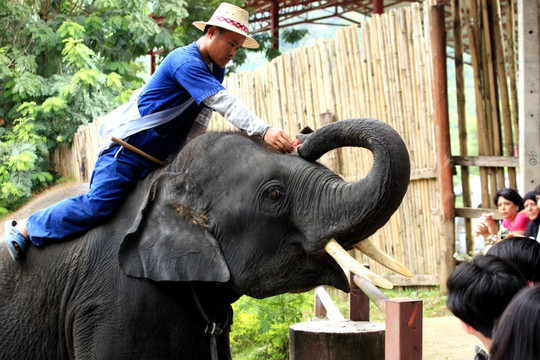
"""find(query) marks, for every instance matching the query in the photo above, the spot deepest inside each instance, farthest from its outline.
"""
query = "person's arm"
(236, 112)
(487, 227)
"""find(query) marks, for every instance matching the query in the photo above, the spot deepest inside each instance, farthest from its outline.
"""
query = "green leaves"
(64, 63)
(261, 327)
(54, 104)
(70, 29)
(77, 54)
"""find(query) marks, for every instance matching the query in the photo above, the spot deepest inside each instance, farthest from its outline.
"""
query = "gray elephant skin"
(228, 216)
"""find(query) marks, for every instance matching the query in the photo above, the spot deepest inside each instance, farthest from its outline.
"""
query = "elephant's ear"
(166, 243)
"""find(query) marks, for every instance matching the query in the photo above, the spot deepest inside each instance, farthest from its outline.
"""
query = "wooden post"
(358, 302)
(371, 291)
(403, 338)
(529, 95)
(378, 6)
(330, 309)
(440, 101)
(274, 19)
(320, 310)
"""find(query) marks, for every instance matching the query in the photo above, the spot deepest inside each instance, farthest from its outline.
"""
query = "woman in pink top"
(510, 205)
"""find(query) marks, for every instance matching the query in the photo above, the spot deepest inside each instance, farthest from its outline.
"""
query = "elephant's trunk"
(354, 211)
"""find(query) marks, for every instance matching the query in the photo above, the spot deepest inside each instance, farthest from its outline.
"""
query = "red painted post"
(274, 19)
(320, 310)
(403, 338)
(358, 303)
(378, 6)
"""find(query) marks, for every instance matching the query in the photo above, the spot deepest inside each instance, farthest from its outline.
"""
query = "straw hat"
(233, 18)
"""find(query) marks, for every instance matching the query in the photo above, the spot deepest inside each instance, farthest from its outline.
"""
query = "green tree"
(65, 63)
(62, 64)
(261, 326)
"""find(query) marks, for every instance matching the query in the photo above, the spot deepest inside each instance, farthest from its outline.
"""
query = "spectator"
(533, 211)
(478, 293)
(523, 252)
(510, 205)
(517, 333)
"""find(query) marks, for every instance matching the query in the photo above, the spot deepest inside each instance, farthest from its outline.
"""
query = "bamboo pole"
(503, 86)
(462, 118)
(491, 81)
(480, 115)
(512, 65)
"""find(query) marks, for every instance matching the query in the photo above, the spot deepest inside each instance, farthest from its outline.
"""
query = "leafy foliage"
(261, 327)
(64, 63)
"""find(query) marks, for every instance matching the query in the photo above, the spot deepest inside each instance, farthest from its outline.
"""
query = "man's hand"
(279, 139)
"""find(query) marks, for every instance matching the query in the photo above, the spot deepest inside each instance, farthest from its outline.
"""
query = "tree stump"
(336, 340)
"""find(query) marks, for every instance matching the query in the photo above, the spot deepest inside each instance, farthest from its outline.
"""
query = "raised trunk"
(353, 211)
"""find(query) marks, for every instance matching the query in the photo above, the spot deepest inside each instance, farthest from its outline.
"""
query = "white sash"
(126, 120)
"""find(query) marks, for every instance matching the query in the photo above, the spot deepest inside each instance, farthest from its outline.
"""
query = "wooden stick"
(137, 151)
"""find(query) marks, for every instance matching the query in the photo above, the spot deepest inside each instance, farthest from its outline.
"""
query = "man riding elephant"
(175, 105)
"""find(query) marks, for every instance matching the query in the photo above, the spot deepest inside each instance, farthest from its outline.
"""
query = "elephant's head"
(229, 209)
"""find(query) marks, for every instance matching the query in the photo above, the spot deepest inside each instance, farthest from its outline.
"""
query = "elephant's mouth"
(336, 251)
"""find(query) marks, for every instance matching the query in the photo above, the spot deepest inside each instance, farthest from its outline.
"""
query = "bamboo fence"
(490, 31)
(381, 70)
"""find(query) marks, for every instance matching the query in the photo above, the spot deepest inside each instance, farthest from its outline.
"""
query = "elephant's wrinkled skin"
(230, 216)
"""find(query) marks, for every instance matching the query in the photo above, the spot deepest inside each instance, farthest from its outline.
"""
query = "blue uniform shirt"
(181, 76)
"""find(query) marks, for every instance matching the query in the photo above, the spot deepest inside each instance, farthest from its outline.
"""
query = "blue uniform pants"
(115, 174)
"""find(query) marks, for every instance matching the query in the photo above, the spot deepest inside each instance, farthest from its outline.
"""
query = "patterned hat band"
(236, 24)
(232, 18)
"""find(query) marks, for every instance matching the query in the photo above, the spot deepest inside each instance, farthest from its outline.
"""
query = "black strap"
(212, 328)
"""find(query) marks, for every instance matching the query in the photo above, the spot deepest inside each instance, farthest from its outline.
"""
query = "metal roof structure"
(276, 14)
(273, 15)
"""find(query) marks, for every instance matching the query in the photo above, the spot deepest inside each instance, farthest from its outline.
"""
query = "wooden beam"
(415, 280)
(486, 161)
(473, 213)
(428, 173)
(529, 95)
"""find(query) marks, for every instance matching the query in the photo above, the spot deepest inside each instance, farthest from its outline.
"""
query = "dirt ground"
(445, 339)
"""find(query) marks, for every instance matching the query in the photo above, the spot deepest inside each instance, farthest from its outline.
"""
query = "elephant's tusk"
(343, 258)
(367, 247)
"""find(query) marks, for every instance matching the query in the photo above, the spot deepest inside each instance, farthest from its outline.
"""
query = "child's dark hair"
(522, 252)
(517, 332)
(479, 291)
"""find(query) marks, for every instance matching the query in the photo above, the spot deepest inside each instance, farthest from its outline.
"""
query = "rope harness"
(213, 329)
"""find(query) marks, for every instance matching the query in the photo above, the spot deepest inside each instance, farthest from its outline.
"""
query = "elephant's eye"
(272, 197)
(275, 190)
(275, 194)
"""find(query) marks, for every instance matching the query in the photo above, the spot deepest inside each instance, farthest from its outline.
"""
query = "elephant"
(227, 216)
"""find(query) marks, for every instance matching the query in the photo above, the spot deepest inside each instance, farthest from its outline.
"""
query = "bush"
(261, 327)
